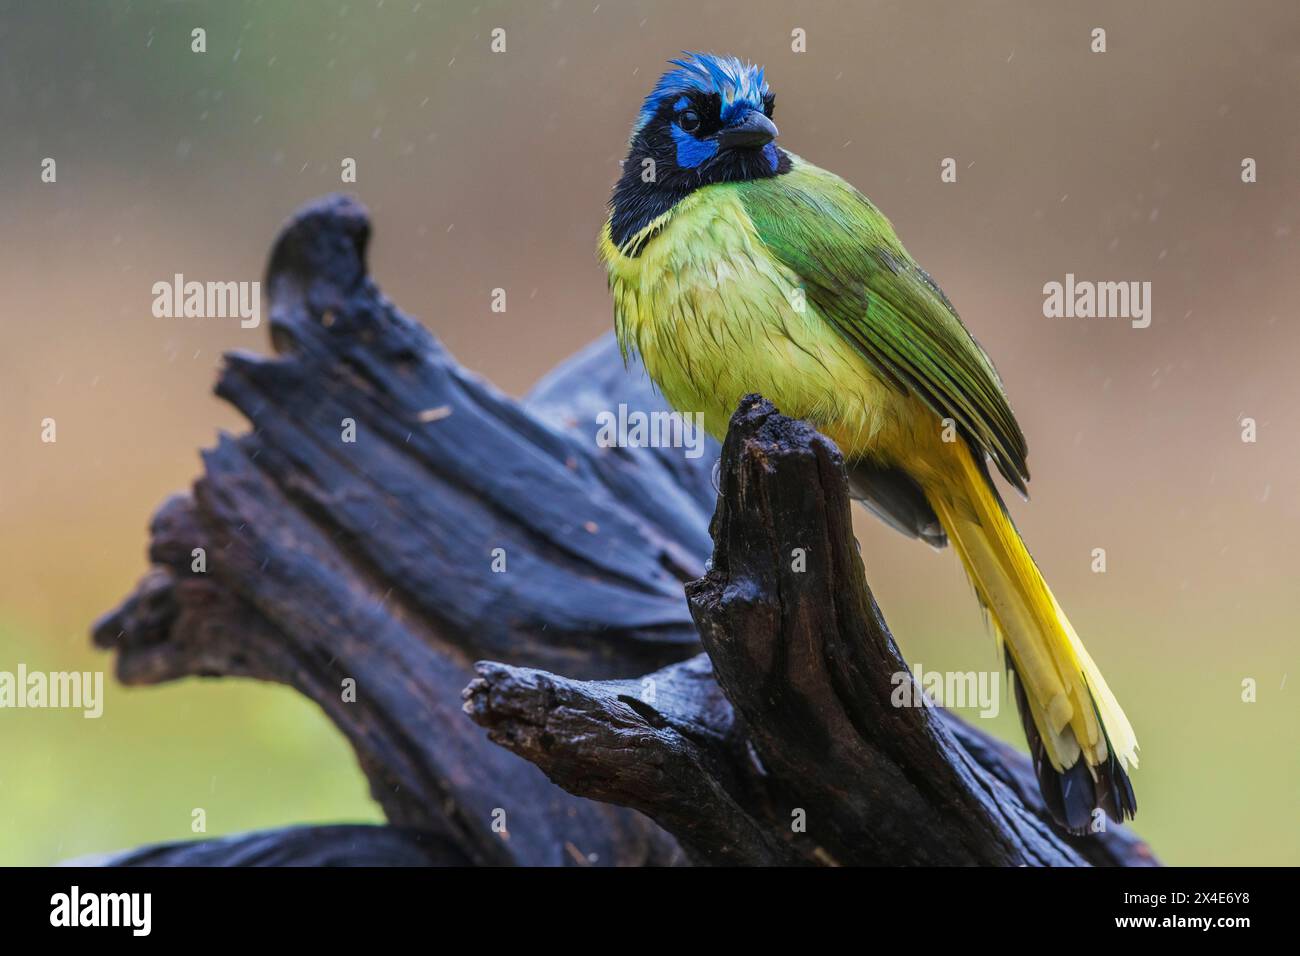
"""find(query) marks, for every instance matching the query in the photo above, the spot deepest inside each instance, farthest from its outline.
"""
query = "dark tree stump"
(372, 561)
(807, 662)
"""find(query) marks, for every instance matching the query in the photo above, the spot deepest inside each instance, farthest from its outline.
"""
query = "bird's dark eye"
(689, 120)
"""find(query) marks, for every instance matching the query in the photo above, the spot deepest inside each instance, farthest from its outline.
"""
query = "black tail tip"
(1074, 796)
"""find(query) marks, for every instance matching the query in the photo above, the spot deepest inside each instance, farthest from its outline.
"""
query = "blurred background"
(487, 170)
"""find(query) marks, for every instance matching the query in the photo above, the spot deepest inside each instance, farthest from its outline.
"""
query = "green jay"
(737, 267)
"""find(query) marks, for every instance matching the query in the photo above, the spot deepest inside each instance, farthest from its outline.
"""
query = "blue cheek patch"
(691, 152)
(770, 154)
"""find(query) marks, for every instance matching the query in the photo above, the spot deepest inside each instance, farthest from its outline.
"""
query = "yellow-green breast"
(715, 316)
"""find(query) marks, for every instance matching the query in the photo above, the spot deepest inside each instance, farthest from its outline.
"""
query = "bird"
(737, 267)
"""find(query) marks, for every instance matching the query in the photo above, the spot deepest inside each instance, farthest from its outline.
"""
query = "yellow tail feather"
(1073, 710)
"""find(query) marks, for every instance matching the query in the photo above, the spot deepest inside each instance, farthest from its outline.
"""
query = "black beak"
(752, 131)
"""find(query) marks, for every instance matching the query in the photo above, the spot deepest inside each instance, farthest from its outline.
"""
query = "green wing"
(859, 277)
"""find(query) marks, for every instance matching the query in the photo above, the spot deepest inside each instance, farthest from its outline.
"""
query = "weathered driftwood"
(799, 722)
(372, 561)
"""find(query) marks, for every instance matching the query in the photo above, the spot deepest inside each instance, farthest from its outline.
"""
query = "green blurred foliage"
(251, 756)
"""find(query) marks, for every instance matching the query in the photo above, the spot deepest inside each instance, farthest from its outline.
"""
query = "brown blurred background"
(487, 170)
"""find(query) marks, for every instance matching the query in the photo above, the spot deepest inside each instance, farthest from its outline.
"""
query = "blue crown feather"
(740, 85)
